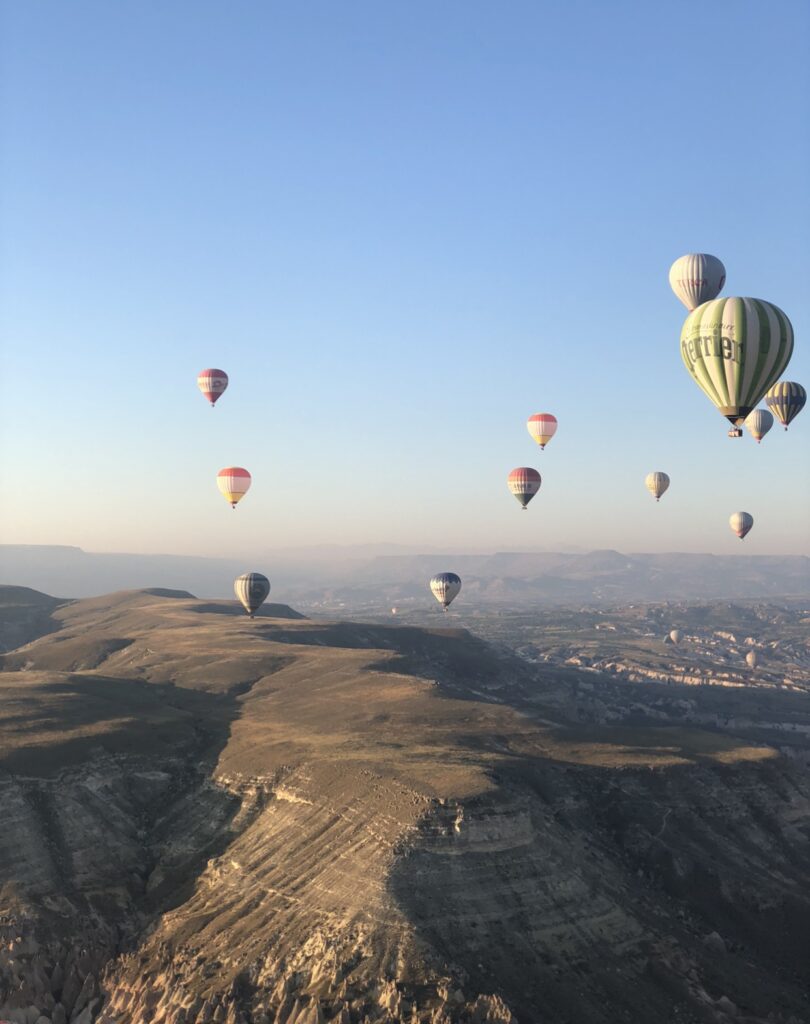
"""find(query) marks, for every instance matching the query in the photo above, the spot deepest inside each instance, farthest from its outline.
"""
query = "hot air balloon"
(656, 483)
(393, 611)
(251, 588)
(675, 636)
(696, 278)
(445, 587)
(758, 422)
(524, 483)
(752, 658)
(212, 383)
(234, 482)
(735, 349)
(741, 523)
(542, 426)
(786, 400)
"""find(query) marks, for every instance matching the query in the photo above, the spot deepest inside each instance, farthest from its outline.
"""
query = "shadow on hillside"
(548, 888)
(408, 642)
(267, 611)
(47, 725)
(133, 761)
(528, 888)
(21, 624)
(613, 747)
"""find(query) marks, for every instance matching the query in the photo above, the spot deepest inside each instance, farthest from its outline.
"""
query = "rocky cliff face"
(291, 822)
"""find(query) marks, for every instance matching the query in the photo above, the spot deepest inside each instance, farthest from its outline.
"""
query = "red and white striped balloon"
(212, 383)
(234, 483)
(542, 426)
(524, 483)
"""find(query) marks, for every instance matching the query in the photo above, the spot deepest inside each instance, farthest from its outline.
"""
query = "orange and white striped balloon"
(542, 426)
(234, 483)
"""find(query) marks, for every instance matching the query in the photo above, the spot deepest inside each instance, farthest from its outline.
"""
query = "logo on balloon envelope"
(709, 346)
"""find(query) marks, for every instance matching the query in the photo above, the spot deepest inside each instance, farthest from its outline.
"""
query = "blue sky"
(401, 229)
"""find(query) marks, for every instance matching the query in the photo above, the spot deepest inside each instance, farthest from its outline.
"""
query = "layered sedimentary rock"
(292, 822)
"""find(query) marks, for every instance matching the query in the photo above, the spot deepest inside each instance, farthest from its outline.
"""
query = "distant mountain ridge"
(320, 577)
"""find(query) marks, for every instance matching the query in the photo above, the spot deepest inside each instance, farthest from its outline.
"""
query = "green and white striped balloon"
(735, 348)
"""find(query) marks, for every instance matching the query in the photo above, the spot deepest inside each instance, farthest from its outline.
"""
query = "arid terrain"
(296, 821)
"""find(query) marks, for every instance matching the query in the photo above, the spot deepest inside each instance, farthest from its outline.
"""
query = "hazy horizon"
(375, 549)
(370, 579)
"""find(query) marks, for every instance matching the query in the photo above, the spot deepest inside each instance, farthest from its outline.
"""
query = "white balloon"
(758, 423)
(696, 278)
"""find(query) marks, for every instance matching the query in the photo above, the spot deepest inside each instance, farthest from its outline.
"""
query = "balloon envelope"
(656, 483)
(696, 278)
(445, 587)
(212, 383)
(542, 426)
(675, 636)
(752, 658)
(741, 523)
(734, 350)
(758, 423)
(786, 400)
(234, 483)
(524, 483)
(251, 588)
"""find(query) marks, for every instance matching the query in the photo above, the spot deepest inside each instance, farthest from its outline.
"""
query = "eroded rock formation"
(291, 822)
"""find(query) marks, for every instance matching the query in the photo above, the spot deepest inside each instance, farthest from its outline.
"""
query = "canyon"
(296, 821)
